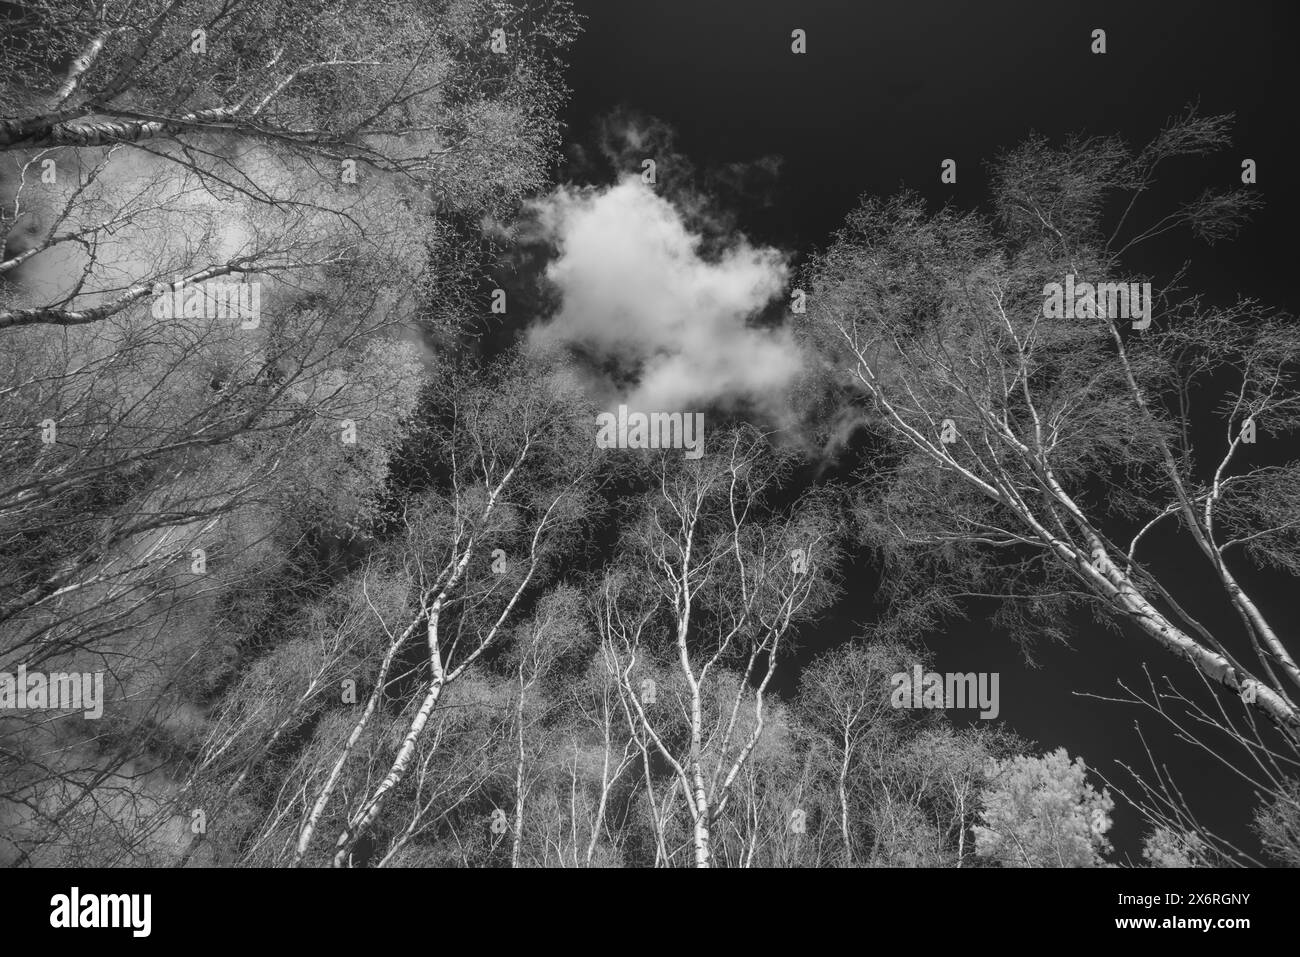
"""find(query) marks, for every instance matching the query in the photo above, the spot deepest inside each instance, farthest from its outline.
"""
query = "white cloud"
(635, 290)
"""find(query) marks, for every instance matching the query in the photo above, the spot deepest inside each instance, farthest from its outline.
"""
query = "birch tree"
(844, 697)
(161, 450)
(520, 468)
(711, 582)
(407, 87)
(1034, 457)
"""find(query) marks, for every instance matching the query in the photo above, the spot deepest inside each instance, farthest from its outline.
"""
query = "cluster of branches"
(471, 695)
(347, 621)
(167, 474)
(1037, 460)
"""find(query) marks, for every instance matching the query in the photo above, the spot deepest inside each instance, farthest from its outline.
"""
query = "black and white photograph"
(501, 435)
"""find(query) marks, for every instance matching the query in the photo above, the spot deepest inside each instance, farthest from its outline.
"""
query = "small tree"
(1042, 812)
(844, 698)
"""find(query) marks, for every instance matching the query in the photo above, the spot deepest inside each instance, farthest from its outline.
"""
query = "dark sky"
(888, 90)
(885, 92)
